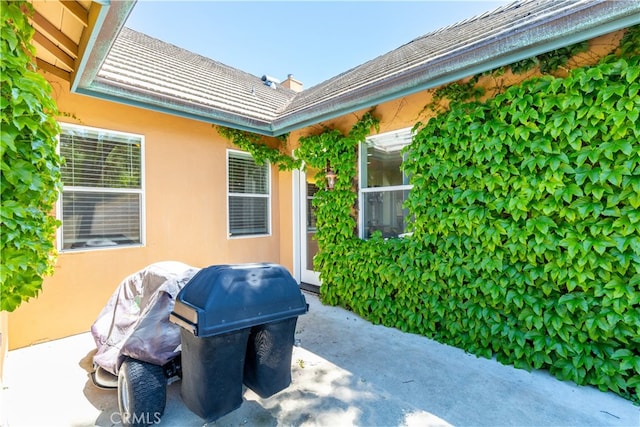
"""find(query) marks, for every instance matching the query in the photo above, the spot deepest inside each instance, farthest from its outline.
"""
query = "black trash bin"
(238, 324)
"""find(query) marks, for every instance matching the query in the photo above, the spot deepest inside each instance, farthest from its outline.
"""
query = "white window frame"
(401, 136)
(141, 193)
(252, 195)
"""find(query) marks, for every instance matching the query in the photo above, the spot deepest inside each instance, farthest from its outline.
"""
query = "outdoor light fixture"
(331, 177)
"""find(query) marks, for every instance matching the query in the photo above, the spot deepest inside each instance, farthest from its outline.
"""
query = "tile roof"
(175, 77)
(155, 74)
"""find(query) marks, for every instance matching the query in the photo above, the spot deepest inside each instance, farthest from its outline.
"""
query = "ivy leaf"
(611, 90)
(632, 74)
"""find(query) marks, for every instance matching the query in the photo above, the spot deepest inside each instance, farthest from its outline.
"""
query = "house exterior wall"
(405, 112)
(186, 218)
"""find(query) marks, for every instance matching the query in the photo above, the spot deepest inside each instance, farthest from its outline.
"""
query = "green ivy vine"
(548, 62)
(630, 43)
(336, 219)
(457, 92)
(30, 165)
(526, 231)
(261, 152)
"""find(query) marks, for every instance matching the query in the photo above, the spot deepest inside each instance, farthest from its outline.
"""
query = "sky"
(312, 40)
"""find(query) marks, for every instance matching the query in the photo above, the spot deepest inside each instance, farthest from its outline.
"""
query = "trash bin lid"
(227, 298)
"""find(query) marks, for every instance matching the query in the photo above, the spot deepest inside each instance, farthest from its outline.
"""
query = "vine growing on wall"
(546, 63)
(526, 228)
(259, 149)
(630, 43)
(30, 165)
(336, 222)
(457, 92)
(549, 62)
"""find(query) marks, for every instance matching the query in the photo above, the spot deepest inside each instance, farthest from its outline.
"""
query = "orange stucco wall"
(186, 218)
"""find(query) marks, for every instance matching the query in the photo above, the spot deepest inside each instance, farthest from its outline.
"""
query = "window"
(102, 196)
(383, 185)
(248, 195)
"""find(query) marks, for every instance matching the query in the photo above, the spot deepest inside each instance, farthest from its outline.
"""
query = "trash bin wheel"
(142, 392)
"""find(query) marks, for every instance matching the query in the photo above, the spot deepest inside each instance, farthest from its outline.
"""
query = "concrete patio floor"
(345, 372)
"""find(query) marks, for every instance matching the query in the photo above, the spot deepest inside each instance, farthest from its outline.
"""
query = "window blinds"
(102, 194)
(249, 194)
(100, 160)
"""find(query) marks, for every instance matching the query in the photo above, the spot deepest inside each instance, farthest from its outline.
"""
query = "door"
(308, 244)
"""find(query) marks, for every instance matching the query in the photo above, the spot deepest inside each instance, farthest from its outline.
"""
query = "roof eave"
(123, 94)
(106, 22)
(593, 21)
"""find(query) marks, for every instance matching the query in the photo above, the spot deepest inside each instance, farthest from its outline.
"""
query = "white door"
(308, 244)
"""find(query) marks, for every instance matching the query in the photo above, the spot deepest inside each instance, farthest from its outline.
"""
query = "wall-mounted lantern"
(330, 175)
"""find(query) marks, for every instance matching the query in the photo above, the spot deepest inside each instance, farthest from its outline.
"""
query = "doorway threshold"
(314, 289)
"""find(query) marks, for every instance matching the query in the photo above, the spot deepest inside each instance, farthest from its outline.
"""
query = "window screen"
(102, 198)
(248, 195)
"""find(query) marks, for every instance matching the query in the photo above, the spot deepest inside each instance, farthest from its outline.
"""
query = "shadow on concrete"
(345, 372)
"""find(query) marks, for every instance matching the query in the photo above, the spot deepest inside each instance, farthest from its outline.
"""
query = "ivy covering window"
(248, 195)
(102, 198)
(383, 185)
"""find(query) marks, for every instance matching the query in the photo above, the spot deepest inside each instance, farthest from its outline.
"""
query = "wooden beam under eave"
(45, 66)
(51, 32)
(77, 10)
(60, 54)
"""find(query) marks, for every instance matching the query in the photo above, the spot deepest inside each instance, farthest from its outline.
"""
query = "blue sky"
(314, 41)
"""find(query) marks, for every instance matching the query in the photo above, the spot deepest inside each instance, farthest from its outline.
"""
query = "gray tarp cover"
(135, 321)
